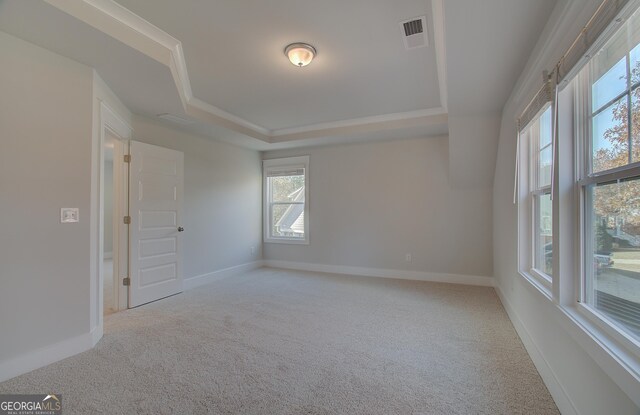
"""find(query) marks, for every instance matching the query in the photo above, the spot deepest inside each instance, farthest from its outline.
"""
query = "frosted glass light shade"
(300, 54)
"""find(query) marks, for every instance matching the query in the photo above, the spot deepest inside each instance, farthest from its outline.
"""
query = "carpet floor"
(282, 342)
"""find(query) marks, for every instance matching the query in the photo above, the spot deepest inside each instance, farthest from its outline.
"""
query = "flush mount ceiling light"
(300, 54)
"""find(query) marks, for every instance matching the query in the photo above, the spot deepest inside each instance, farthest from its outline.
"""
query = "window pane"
(544, 234)
(546, 128)
(613, 277)
(287, 188)
(612, 83)
(634, 63)
(287, 220)
(610, 147)
(544, 176)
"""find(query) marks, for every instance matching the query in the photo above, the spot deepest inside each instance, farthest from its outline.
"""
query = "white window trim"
(289, 162)
(615, 352)
(584, 178)
(542, 279)
(527, 188)
(612, 350)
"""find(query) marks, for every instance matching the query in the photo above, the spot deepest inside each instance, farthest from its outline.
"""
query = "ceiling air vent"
(414, 33)
(413, 27)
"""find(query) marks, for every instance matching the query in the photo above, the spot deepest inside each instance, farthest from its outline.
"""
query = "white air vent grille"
(414, 33)
(413, 27)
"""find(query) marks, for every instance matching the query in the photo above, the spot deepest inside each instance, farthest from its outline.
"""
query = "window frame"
(279, 165)
(586, 179)
(530, 193)
(615, 351)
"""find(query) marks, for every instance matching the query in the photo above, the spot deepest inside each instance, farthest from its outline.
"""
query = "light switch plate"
(69, 215)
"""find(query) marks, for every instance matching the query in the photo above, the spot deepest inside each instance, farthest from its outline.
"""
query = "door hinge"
(127, 220)
(127, 158)
(126, 281)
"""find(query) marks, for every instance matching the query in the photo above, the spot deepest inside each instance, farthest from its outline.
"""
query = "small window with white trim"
(286, 196)
(535, 201)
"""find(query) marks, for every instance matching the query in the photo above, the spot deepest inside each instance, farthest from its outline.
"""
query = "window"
(286, 195)
(609, 185)
(536, 208)
(578, 192)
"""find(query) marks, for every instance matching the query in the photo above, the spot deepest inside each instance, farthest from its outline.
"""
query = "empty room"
(320, 207)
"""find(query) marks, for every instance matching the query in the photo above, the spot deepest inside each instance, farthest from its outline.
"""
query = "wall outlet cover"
(69, 215)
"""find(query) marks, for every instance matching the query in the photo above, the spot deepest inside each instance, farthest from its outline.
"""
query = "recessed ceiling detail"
(361, 81)
(358, 73)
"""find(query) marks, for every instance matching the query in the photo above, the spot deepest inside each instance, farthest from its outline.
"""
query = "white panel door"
(155, 207)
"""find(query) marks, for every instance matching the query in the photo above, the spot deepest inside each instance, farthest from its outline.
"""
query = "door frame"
(111, 123)
(120, 251)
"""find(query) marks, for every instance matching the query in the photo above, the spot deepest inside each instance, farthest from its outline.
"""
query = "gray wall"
(47, 123)
(45, 164)
(222, 198)
(586, 387)
(370, 204)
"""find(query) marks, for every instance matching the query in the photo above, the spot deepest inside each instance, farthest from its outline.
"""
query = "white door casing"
(155, 206)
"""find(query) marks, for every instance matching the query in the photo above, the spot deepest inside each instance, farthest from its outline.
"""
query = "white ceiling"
(220, 63)
(488, 44)
(234, 55)
(138, 80)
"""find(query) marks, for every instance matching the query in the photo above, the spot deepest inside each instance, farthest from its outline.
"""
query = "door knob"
(180, 229)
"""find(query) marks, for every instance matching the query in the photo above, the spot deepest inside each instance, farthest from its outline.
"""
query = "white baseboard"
(204, 279)
(383, 273)
(96, 334)
(47, 355)
(557, 391)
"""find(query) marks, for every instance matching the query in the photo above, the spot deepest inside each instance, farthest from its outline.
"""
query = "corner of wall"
(473, 143)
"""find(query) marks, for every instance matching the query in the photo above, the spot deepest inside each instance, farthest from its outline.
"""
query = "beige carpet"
(280, 342)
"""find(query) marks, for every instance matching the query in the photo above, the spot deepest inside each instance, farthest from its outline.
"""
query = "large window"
(286, 194)
(578, 191)
(609, 182)
(536, 206)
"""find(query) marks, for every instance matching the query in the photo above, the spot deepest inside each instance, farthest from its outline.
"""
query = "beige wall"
(45, 164)
(222, 198)
(371, 204)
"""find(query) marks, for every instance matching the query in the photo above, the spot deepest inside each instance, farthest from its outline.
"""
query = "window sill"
(620, 363)
(540, 283)
(286, 241)
(615, 358)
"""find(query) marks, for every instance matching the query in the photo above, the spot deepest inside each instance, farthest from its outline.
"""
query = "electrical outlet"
(253, 250)
(408, 257)
(69, 215)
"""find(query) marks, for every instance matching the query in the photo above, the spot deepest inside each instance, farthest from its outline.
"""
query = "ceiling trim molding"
(373, 124)
(441, 50)
(127, 27)
(356, 122)
(120, 23)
